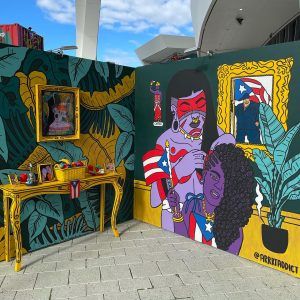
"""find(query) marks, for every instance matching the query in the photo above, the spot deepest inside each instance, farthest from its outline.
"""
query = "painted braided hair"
(235, 208)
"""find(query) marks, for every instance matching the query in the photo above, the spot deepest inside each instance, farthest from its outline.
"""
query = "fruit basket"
(65, 171)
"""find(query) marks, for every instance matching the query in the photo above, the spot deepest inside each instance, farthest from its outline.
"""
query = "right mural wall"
(218, 152)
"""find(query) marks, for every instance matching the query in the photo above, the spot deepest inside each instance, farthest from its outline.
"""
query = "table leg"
(6, 226)
(117, 201)
(15, 222)
(102, 207)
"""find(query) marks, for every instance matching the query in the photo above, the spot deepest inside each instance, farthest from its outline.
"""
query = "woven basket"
(70, 173)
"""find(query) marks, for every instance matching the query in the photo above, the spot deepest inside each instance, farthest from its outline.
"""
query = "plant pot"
(274, 239)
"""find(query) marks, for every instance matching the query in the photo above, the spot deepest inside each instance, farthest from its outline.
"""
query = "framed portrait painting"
(45, 173)
(242, 87)
(57, 113)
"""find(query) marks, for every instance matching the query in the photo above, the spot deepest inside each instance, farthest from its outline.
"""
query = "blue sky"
(124, 24)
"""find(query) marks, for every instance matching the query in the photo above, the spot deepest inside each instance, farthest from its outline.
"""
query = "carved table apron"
(20, 192)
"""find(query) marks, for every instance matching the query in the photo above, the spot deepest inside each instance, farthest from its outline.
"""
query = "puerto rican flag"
(200, 230)
(250, 88)
(156, 165)
(74, 189)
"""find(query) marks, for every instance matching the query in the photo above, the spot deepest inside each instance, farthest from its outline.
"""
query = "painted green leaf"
(78, 68)
(11, 59)
(122, 116)
(27, 208)
(264, 163)
(67, 150)
(118, 69)
(272, 130)
(90, 205)
(123, 146)
(102, 69)
(51, 206)
(129, 164)
(54, 66)
(291, 167)
(36, 225)
(290, 186)
(10, 99)
(281, 150)
(295, 195)
(3, 144)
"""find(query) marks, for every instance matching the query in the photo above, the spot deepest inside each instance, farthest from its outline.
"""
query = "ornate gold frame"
(279, 69)
(38, 100)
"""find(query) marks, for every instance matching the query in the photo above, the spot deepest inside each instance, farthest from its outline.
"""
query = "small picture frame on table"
(45, 173)
(13, 179)
(110, 167)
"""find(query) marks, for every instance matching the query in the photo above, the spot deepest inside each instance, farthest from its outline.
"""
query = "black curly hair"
(235, 207)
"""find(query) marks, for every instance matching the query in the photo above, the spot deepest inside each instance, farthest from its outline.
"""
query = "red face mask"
(188, 105)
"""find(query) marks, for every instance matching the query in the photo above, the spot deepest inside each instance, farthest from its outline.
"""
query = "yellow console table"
(20, 192)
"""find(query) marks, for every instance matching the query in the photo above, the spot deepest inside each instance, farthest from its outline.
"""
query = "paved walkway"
(144, 263)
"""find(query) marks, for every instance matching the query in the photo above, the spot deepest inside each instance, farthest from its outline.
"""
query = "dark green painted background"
(147, 134)
(41, 222)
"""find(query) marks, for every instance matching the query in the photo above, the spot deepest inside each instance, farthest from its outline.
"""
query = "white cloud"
(121, 57)
(162, 16)
(61, 11)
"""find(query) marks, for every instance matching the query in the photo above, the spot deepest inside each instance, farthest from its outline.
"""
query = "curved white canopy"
(227, 25)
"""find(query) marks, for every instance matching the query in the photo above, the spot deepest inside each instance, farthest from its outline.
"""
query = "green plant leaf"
(123, 146)
(264, 163)
(118, 69)
(90, 205)
(3, 144)
(279, 222)
(294, 195)
(78, 68)
(122, 117)
(265, 188)
(102, 68)
(27, 208)
(11, 59)
(291, 167)
(281, 150)
(129, 164)
(290, 186)
(36, 225)
(68, 150)
(51, 206)
(272, 130)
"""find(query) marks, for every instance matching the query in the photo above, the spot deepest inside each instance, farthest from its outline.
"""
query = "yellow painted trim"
(142, 209)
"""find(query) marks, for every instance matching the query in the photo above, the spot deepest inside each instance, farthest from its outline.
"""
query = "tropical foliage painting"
(107, 134)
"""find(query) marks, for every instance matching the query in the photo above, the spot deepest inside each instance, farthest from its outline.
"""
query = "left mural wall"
(107, 135)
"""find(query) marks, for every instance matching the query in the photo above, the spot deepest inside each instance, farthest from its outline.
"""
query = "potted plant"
(279, 181)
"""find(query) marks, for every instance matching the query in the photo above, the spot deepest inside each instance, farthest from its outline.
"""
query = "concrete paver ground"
(144, 263)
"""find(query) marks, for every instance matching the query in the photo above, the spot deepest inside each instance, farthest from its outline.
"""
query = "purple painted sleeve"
(154, 195)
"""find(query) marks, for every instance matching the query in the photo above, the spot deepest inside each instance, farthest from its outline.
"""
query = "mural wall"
(224, 166)
(107, 133)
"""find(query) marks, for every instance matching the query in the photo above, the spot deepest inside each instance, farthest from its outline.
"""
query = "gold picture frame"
(280, 70)
(57, 113)
(13, 178)
(45, 173)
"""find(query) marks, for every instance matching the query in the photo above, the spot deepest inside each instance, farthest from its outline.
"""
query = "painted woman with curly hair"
(217, 216)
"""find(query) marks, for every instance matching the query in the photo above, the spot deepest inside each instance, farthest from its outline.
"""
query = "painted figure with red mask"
(154, 89)
(192, 135)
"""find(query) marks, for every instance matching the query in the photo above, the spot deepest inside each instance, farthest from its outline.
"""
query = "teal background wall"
(107, 135)
(147, 134)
